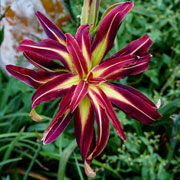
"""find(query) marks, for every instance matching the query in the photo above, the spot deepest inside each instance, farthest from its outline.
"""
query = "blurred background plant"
(150, 153)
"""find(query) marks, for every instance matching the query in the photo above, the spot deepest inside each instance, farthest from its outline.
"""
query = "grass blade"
(32, 162)
(64, 159)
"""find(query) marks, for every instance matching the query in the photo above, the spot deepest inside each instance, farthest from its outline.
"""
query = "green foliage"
(1, 35)
(150, 153)
(2, 28)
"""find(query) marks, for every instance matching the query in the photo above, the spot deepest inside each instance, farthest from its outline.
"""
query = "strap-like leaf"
(90, 12)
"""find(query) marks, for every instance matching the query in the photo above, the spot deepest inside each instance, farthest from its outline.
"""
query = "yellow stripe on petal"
(100, 50)
(107, 31)
(61, 41)
(86, 55)
(111, 93)
(84, 108)
(64, 54)
(98, 53)
(66, 84)
(97, 106)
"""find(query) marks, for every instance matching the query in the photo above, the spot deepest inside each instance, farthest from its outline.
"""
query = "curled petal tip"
(35, 116)
(88, 170)
(158, 104)
(8, 67)
(123, 136)
(131, 3)
(36, 13)
(43, 138)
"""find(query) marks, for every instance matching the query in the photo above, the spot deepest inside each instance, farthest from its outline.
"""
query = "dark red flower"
(82, 80)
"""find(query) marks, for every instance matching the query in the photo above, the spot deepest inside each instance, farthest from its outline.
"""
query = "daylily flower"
(81, 78)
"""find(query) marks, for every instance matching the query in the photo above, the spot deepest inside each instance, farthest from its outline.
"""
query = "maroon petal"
(84, 126)
(76, 55)
(56, 127)
(50, 49)
(137, 47)
(79, 93)
(94, 80)
(107, 106)
(84, 40)
(54, 89)
(32, 78)
(51, 29)
(136, 93)
(64, 106)
(132, 102)
(121, 67)
(102, 127)
(107, 31)
(42, 63)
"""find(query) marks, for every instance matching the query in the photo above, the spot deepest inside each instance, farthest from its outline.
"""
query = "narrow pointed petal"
(132, 102)
(60, 117)
(107, 31)
(64, 105)
(121, 67)
(92, 146)
(50, 49)
(56, 127)
(79, 93)
(137, 47)
(32, 78)
(42, 63)
(77, 57)
(102, 127)
(106, 12)
(84, 126)
(107, 106)
(94, 80)
(61, 120)
(90, 12)
(84, 40)
(52, 31)
(54, 89)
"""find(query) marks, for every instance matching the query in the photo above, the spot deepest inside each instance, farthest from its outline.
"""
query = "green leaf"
(64, 159)
(1, 35)
(9, 161)
(170, 107)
